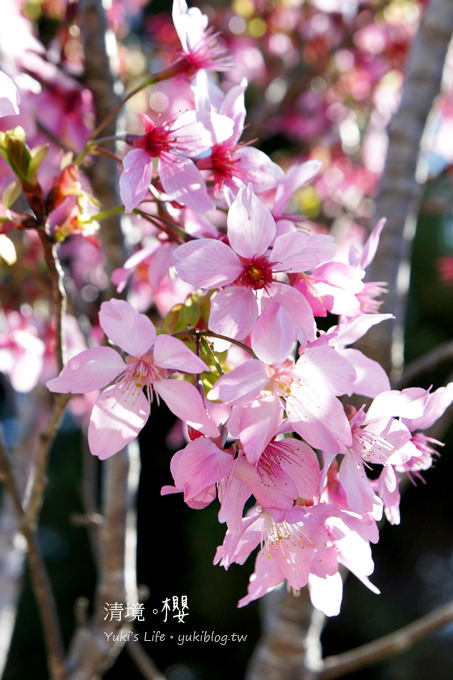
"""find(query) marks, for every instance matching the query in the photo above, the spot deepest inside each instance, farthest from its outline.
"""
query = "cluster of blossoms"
(239, 358)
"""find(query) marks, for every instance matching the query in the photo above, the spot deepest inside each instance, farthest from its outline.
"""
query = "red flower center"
(155, 141)
(257, 273)
(223, 163)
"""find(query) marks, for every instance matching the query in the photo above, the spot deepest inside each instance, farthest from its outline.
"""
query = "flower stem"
(178, 67)
(211, 334)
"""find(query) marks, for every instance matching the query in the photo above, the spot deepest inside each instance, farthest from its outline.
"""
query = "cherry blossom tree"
(163, 242)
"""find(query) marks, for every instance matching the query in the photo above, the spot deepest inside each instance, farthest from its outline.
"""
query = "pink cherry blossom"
(122, 409)
(196, 469)
(287, 471)
(307, 389)
(231, 164)
(338, 287)
(172, 144)
(419, 451)
(199, 43)
(302, 545)
(246, 270)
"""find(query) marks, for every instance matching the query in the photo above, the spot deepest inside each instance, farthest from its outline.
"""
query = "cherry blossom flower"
(245, 269)
(172, 144)
(307, 389)
(122, 409)
(230, 163)
(338, 287)
(199, 43)
(302, 545)
(370, 378)
(419, 450)
(286, 472)
(196, 469)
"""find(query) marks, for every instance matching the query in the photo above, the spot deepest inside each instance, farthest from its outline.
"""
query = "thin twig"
(38, 574)
(111, 116)
(36, 495)
(439, 355)
(338, 665)
(58, 292)
(141, 659)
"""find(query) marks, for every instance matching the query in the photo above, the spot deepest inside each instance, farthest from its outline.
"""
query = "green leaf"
(38, 153)
(11, 194)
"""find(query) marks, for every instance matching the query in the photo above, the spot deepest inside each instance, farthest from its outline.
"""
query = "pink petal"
(297, 307)
(135, 178)
(301, 466)
(207, 263)
(184, 183)
(299, 252)
(233, 106)
(324, 369)
(25, 362)
(242, 384)
(436, 405)
(273, 334)
(268, 492)
(355, 329)
(88, 371)
(326, 593)
(233, 312)
(353, 550)
(159, 263)
(251, 226)
(407, 403)
(232, 495)
(370, 247)
(118, 415)
(255, 425)
(255, 167)
(200, 464)
(237, 546)
(296, 177)
(358, 488)
(207, 94)
(191, 135)
(9, 96)
(370, 377)
(217, 129)
(190, 24)
(267, 575)
(319, 419)
(184, 400)
(173, 354)
(126, 327)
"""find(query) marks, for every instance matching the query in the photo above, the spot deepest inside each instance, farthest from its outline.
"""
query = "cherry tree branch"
(38, 574)
(100, 79)
(93, 649)
(427, 362)
(290, 638)
(399, 193)
(58, 292)
(387, 646)
(142, 661)
(46, 438)
(28, 473)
